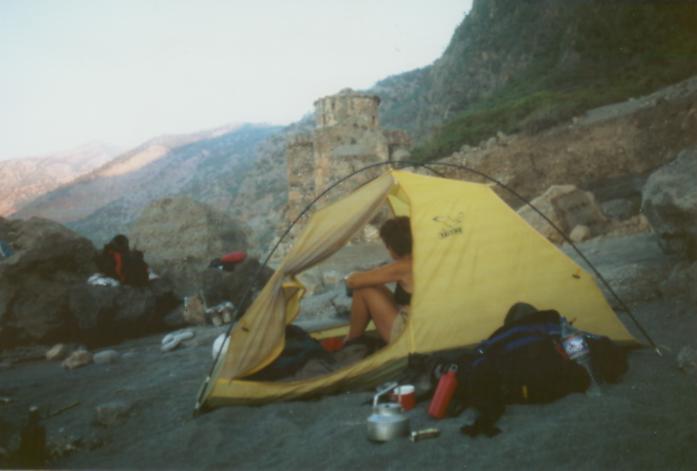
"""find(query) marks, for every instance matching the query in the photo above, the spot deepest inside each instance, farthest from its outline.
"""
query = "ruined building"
(347, 137)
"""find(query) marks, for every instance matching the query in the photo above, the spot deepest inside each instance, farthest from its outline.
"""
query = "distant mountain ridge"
(108, 199)
(26, 178)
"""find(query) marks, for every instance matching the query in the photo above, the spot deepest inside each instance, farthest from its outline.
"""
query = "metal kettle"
(388, 420)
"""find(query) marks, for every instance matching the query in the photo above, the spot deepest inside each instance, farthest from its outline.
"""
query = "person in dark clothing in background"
(118, 261)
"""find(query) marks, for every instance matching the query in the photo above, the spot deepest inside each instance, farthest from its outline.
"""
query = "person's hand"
(349, 291)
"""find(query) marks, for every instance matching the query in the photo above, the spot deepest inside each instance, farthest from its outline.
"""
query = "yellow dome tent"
(474, 257)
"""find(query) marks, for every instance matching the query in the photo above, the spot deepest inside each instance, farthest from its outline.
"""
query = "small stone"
(57, 352)
(580, 233)
(194, 310)
(129, 355)
(371, 233)
(331, 278)
(687, 359)
(111, 413)
(77, 359)
(106, 356)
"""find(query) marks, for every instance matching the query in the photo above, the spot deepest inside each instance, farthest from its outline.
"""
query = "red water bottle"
(444, 393)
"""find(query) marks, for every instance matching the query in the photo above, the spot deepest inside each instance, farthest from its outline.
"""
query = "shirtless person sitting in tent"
(371, 298)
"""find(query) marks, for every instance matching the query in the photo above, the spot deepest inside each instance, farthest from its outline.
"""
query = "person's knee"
(360, 292)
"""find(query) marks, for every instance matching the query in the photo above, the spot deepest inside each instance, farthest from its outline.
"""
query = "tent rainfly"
(474, 257)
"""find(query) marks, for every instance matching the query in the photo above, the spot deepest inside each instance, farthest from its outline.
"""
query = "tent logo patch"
(450, 225)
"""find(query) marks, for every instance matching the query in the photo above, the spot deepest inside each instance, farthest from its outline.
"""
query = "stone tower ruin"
(347, 137)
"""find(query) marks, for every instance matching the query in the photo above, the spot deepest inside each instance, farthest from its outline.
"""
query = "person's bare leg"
(359, 315)
(374, 303)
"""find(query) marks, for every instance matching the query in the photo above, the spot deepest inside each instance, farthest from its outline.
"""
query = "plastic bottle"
(576, 347)
(444, 393)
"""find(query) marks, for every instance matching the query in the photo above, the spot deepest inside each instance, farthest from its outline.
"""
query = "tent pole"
(252, 283)
(623, 305)
(427, 166)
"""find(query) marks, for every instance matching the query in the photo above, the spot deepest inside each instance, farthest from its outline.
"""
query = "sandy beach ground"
(647, 421)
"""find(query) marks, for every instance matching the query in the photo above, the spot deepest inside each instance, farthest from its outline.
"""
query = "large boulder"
(669, 201)
(679, 285)
(45, 297)
(220, 286)
(35, 281)
(45, 247)
(104, 315)
(181, 236)
(568, 208)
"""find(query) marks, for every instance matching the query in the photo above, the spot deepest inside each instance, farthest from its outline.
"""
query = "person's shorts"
(399, 322)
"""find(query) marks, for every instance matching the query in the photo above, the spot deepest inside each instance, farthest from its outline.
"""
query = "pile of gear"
(535, 357)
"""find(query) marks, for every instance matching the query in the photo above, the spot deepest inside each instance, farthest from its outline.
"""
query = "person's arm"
(389, 273)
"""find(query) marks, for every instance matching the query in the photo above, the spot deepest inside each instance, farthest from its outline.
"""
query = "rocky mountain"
(206, 166)
(262, 195)
(26, 178)
(578, 83)
(516, 66)
(609, 151)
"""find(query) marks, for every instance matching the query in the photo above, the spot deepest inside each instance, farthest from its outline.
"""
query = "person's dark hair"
(396, 234)
(120, 243)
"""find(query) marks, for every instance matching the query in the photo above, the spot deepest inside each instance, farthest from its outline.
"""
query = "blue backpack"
(523, 362)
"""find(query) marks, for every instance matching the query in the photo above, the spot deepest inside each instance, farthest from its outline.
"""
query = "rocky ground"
(136, 410)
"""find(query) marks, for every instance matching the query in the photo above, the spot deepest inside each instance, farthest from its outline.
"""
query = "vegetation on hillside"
(605, 53)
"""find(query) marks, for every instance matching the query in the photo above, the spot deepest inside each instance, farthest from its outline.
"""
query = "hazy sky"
(122, 71)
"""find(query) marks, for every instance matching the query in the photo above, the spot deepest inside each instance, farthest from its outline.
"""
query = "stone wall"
(609, 151)
(348, 108)
(301, 167)
(340, 150)
(347, 138)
